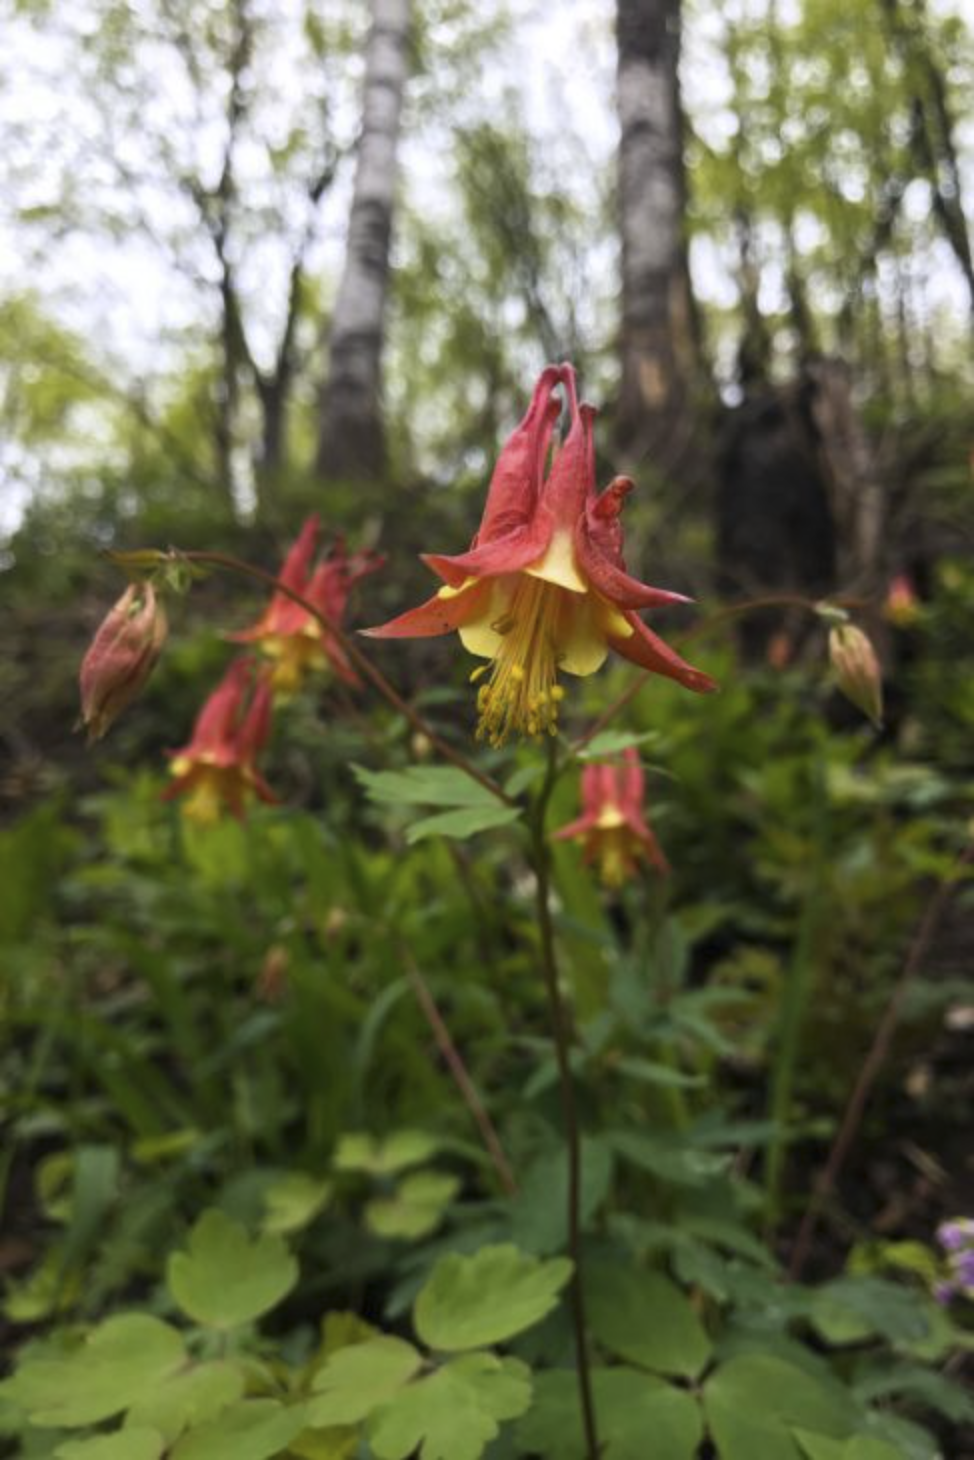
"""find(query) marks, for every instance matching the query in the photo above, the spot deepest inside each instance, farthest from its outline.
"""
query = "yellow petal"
(582, 645)
(479, 636)
(558, 564)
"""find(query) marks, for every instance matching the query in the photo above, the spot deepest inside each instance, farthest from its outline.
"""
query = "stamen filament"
(522, 695)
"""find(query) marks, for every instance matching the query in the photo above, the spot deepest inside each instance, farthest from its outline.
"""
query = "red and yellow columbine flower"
(612, 827)
(122, 655)
(902, 607)
(543, 589)
(287, 634)
(217, 769)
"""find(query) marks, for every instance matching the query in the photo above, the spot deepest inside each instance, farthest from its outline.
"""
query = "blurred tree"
(658, 341)
(352, 439)
(199, 140)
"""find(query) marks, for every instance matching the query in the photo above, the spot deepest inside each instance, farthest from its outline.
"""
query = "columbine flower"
(122, 655)
(217, 768)
(612, 827)
(287, 634)
(901, 607)
(544, 589)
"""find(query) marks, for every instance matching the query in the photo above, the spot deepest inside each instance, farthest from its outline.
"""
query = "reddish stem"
(454, 1062)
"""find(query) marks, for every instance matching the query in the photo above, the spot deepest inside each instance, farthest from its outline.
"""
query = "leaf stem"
(461, 1076)
(561, 1037)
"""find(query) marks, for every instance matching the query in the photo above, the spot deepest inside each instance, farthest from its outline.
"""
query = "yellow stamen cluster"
(522, 695)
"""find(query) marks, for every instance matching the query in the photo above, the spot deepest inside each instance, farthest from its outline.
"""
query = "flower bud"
(857, 670)
(122, 655)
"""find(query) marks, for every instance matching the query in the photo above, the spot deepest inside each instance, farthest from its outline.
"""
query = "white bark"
(351, 442)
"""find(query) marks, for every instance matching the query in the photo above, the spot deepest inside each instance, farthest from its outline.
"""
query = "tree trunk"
(351, 442)
(658, 340)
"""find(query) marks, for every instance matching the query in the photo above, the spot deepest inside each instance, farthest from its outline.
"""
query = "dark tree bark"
(351, 441)
(658, 341)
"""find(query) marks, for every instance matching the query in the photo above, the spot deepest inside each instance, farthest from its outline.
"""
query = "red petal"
(216, 720)
(572, 479)
(255, 728)
(508, 554)
(516, 482)
(298, 561)
(580, 827)
(645, 648)
(436, 616)
(598, 543)
(633, 781)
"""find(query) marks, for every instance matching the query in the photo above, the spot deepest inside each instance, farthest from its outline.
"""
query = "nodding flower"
(612, 827)
(121, 657)
(288, 635)
(543, 589)
(217, 770)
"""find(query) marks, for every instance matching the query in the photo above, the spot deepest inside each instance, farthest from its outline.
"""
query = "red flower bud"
(857, 672)
(122, 655)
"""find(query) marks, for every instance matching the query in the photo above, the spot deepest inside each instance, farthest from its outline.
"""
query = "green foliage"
(225, 1279)
(477, 808)
(487, 1298)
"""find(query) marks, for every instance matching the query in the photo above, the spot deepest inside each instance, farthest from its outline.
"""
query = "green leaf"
(645, 1318)
(185, 1400)
(638, 1416)
(486, 1298)
(120, 1361)
(356, 1380)
(360, 1152)
(416, 1208)
(654, 1072)
(464, 823)
(424, 786)
(669, 1160)
(293, 1201)
(454, 1413)
(755, 1401)
(852, 1308)
(254, 1429)
(127, 1444)
(913, 1381)
(613, 742)
(857, 1447)
(225, 1279)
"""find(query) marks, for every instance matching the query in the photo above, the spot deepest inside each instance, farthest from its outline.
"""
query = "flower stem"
(561, 1036)
(362, 663)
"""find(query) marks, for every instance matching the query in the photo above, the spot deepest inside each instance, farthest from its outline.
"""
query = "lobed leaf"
(470, 1302)
(226, 1279)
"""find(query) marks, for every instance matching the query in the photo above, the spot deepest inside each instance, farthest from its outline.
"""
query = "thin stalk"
(561, 1037)
(362, 663)
(873, 1063)
(461, 1077)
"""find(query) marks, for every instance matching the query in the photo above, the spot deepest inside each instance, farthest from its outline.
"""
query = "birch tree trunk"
(658, 337)
(351, 442)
